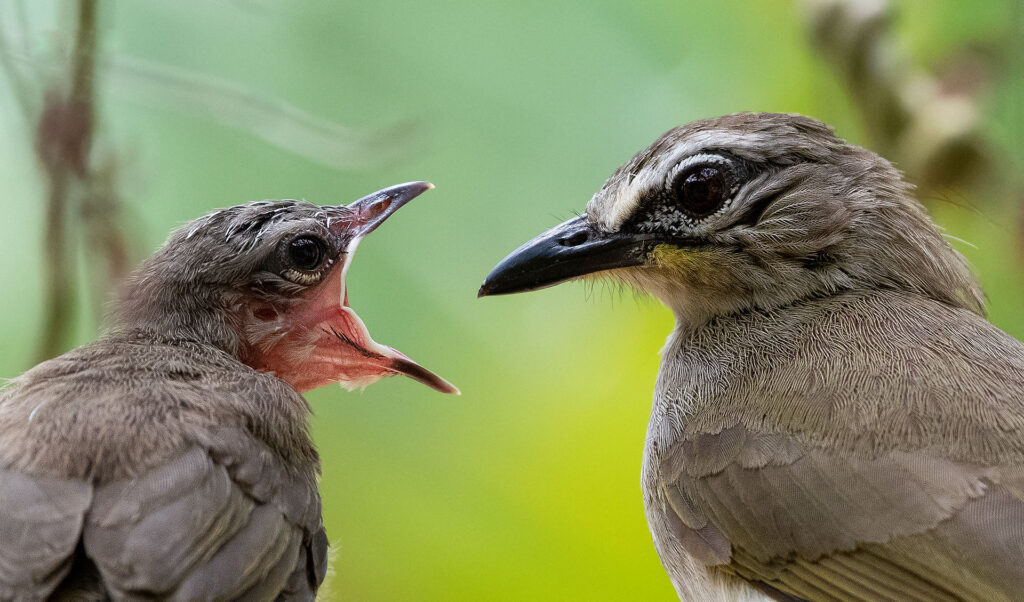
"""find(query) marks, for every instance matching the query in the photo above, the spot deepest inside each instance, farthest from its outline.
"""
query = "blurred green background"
(527, 486)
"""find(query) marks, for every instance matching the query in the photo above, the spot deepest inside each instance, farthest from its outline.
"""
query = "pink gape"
(322, 340)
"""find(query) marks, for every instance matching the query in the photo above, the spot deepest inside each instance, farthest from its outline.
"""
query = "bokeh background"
(527, 486)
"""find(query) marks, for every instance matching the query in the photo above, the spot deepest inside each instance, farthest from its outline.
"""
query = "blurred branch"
(102, 214)
(63, 140)
(232, 105)
(930, 127)
(65, 128)
(82, 182)
(270, 119)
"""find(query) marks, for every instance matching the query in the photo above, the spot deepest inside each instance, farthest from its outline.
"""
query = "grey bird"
(834, 418)
(171, 459)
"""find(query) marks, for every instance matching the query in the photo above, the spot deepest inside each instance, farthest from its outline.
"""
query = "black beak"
(572, 249)
(370, 211)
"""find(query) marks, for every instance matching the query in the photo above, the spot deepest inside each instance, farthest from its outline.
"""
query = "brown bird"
(171, 459)
(834, 419)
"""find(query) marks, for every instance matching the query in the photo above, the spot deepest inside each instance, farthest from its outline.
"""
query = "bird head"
(265, 282)
(747, 211)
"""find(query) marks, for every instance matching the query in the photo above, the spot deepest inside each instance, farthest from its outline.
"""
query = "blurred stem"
(59, 294)
(930, 129)
(84, 59)
(63, 141)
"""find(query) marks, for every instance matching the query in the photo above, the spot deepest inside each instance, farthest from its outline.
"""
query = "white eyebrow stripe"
(690, 160)
(627, 197)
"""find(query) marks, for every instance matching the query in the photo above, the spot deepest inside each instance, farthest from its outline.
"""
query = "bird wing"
(183, 475)
(875, 454)
(223, 520)
(40, 522)
(822, 526)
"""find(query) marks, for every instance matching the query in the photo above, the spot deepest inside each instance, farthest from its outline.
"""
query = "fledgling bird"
(171, 459)
(834, 419)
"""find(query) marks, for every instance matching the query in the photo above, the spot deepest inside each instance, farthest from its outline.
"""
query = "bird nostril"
(380, 206)
(575, 239)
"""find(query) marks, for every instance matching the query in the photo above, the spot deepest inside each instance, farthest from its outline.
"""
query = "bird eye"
(701, 190)
(306, 253)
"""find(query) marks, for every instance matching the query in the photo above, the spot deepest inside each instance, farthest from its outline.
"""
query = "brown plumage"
(171, 459)
(834, 419)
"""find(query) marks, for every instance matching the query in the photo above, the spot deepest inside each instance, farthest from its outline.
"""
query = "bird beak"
(572, 249)
(323, 340)
(370, 211)
(367, 214)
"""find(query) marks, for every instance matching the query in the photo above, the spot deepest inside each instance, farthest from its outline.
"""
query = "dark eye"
(701, 190)
(306, 253)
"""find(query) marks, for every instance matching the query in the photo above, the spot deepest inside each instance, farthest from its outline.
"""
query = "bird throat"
(321, 340)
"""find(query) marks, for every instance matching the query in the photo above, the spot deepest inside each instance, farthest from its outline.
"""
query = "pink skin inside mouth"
(323, 341)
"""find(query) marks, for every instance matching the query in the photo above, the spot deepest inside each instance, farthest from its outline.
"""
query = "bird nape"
(833, 419)
(171, 458)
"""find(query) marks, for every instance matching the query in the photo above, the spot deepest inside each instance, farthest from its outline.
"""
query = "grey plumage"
(873, 430)
(154, 454)
(172, 459)
(833, 419)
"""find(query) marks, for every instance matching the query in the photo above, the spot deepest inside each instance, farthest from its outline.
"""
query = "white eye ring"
(668, 216)
(304, 270)
(304, 278)
(702, 158)
(723, 165)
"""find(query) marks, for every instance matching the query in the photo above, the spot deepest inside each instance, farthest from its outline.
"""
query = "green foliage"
(527, 486)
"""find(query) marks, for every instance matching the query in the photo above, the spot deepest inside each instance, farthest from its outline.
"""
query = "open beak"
(572, 249)
(368, 213)
(323, 340)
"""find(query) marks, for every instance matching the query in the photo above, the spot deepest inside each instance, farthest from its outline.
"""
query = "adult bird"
(171, 459)
(834, 419)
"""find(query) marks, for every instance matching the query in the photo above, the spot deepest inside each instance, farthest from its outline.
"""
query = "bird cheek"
(671, 257)
(698, 267)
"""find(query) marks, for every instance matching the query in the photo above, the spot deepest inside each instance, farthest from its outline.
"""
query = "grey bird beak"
(371, 210)
(569, 250)
(346, 351)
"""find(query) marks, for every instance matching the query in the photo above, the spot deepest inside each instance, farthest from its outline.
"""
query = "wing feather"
(825, 526)
(862, 446)
(40, 523)
(211, 524)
